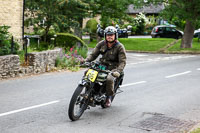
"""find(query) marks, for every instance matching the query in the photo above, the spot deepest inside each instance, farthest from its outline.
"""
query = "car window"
(174, 30)
(160, 29)
(168, 29)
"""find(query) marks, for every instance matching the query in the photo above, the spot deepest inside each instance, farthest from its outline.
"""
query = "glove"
(82, 61)
(116, 74)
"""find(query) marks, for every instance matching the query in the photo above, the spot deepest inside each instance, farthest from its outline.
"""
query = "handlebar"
(91, 64)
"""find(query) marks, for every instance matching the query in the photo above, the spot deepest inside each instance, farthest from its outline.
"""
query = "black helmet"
(111, 30)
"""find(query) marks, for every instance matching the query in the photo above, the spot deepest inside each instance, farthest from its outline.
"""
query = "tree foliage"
(110, 10)
(64, 15)
(6, 42)
(74, 11)
(61, 15)
(42, 14)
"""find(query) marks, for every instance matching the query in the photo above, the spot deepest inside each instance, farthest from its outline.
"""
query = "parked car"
(166, 31)
(197, 33)
(122, 33)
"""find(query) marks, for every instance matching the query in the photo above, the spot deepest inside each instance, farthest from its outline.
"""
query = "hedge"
(92, 25)
(68, 40)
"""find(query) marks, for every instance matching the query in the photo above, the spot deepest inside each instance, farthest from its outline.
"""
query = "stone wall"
(43, 61)
(12, 15)
(9, 66)
(38, 62)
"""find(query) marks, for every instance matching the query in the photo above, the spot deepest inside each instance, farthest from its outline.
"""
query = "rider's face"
(110, 37)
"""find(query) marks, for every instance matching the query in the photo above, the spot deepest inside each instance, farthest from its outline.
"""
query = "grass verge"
(141, 44)
(194, 50)
(155, 45)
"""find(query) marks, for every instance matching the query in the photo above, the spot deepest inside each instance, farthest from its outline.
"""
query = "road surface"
(160, 95)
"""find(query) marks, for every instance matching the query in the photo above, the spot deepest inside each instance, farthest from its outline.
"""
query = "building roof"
(151, 9)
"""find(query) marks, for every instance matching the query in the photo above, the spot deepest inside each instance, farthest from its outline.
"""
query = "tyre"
(179, 37)
(78, 103)
(158, 36)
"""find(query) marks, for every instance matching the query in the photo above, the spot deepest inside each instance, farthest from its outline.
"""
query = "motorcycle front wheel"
(78, 103)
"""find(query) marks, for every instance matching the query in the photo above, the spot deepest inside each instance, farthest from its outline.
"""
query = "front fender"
(82, 82)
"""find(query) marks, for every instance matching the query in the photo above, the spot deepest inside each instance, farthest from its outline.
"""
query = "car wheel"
(179, 37)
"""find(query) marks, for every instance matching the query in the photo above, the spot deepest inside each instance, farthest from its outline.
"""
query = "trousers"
(110, 85)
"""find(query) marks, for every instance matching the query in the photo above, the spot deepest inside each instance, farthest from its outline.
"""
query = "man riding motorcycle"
(113, 57)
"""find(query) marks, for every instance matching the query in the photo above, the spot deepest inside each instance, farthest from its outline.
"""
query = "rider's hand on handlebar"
(82, 61)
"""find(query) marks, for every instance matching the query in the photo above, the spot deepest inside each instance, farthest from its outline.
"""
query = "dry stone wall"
(38, 62)
(9, 66)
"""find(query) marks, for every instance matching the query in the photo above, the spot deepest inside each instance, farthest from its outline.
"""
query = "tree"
(62, 14)
(188, 11)
(75, 11)
(110, 10)
(43, 14)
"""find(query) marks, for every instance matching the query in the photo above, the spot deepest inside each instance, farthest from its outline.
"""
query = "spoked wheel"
(78, 103)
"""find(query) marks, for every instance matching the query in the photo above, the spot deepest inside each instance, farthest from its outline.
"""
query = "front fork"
(89, 87)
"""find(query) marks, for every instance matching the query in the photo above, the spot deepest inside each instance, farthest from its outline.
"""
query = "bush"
(133, 29)
(5, 42)
(71, 59)
(91, 28)
(91, 25)
(67, 40)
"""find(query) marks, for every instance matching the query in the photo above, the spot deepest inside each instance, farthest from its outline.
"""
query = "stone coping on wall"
(37, 62)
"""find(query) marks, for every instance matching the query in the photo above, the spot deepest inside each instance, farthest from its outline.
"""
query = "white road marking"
(53, 102)
(198, 69)
(162, 59)
(139, 55)
(178, 74)
(140, 82)
(28, 108)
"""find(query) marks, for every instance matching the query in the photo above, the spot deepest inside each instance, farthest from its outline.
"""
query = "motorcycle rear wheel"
(78, 103)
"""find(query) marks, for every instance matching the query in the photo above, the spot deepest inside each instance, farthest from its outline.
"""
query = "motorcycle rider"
(113, 57)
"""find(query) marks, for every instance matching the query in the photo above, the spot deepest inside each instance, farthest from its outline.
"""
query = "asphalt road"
(160, 95)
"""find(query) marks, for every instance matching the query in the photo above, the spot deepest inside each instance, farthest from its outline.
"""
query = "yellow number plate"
(91, 75)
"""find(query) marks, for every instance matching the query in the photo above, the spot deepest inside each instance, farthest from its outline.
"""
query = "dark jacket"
(114, 58)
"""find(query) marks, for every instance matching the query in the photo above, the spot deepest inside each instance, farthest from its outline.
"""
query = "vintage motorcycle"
(91, 90)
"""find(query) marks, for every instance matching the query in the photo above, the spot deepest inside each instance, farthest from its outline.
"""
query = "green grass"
(145, 44)
(195, 47)
(141, 44)
(90, 44)
(154, 45)
(196, 131)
